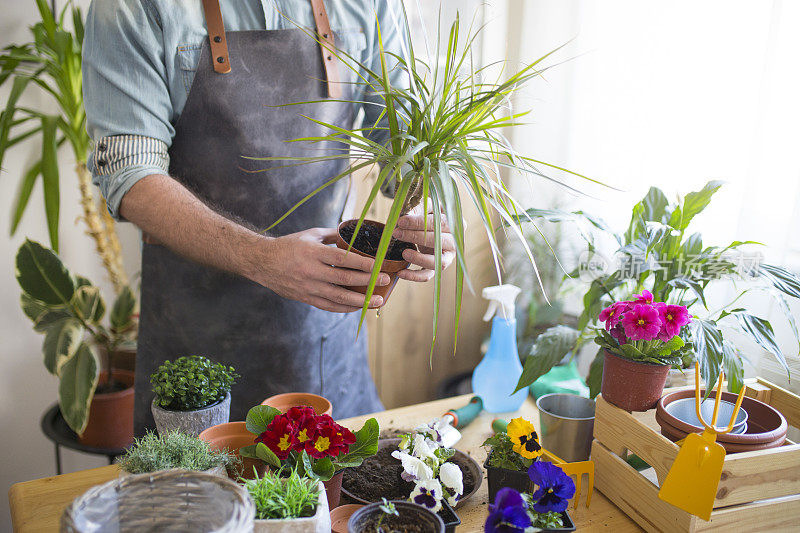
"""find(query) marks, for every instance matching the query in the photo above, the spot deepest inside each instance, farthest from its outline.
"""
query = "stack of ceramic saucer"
(758, 426)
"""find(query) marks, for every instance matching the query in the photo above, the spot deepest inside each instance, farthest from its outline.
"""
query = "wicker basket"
(170, 500)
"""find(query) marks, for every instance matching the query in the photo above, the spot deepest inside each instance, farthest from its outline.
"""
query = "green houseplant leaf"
(259, 417)
(550, 348)
(42, 275)
(123, 308)
(366, 445)
(88, 303)
(61, 342)
(76, 388)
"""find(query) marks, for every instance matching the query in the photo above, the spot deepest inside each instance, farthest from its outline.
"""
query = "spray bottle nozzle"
(501, 297)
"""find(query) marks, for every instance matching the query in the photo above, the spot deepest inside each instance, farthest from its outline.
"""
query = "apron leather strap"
(216, 36)
(327, 47)
(219, 44)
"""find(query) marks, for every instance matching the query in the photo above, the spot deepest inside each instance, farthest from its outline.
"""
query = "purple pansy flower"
(642, 322)
(428, 494)
(555, 488)
(508, 514)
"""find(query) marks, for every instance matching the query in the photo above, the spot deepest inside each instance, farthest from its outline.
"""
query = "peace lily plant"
(445, 147)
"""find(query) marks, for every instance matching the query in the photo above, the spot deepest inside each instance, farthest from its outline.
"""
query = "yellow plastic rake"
(577, 469)
(691, 484)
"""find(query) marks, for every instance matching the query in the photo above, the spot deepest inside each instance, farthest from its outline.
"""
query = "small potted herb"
(438, 482)
(314, 445)
(545, 509)
(191, 394)
(395, 517)
(175, 450)
(642, 342)
(293, 504)
(511, 454)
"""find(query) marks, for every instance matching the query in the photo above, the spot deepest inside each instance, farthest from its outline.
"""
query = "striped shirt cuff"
(118, 162)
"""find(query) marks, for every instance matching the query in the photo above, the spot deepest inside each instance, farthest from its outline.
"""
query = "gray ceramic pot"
(192, 422)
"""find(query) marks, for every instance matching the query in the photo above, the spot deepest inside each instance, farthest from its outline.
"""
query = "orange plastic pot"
(110, 422)
(389, 266)
(341, 515)
(632, 385)
(284, 402)
(231, 436)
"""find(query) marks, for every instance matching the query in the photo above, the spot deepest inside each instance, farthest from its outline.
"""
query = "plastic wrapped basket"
(169, 500)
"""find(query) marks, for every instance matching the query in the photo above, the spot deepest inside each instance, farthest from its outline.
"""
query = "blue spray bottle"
(496, 376)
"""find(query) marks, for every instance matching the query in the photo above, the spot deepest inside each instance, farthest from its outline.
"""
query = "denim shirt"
(140, 56)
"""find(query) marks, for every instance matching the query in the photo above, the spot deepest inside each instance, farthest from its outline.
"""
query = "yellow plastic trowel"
(691, 483)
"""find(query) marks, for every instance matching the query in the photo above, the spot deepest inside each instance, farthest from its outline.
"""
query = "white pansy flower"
(413, 468)
(422, 449)
(428, 494)
(451, 477)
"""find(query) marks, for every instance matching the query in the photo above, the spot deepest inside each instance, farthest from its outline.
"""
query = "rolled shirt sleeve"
(126, 95)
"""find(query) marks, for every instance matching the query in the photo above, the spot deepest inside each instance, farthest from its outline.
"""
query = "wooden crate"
(758, 491)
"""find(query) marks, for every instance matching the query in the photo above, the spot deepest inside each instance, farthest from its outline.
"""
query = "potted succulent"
(511, 454)
(95, 398)
(290, 504)
(314, 445)
(642, 342)
(658, 253)
(395, 517)
(438, 147)
(176, 450)
(545, 509)
(191, 394)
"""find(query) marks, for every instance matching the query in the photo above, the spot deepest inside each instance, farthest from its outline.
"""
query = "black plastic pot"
(566, 524)
(409, 513)
(449, 517)
(503, 477)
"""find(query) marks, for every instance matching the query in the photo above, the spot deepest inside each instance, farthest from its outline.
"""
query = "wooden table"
(36, 506)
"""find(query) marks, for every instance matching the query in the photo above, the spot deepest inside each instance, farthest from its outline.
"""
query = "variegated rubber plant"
(445, 140)
(69, 310)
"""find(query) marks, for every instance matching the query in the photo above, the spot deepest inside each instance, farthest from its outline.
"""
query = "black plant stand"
(56, 429)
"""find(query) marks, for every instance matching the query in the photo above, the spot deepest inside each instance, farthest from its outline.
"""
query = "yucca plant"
(445, 142)
(52, 63)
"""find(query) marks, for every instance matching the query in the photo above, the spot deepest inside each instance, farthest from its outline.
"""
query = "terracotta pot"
(110, 423)
(766, 427)
(232, 436)
(284, 402)
(389, 266)
(341, 515)
(333, 488)
(631, 385)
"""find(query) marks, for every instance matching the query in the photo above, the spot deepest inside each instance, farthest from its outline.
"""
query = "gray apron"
(276, 345)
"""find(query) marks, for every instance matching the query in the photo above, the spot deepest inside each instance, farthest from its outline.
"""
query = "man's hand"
(301, 266)
(411, 228)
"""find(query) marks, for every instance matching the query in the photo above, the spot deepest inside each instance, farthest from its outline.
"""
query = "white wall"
(26, 389)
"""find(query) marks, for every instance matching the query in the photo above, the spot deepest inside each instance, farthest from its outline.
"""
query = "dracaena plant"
(69, 311)
(657, 253)
(314, 445)
(51, 65)
(445, 146)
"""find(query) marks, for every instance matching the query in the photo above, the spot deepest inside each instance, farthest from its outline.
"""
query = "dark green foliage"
(277, 497)
(549, 520)
(174, 450)
(502, 454)
(191, 383)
